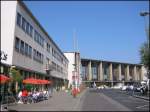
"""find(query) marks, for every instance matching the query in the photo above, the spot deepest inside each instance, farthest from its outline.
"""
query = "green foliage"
(16, 75)
(28, 87)
(145, 55)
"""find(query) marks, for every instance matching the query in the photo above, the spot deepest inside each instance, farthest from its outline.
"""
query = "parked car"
(118, 86)
(124, 88)
(100, 87)
(127, 87)
(141, 88)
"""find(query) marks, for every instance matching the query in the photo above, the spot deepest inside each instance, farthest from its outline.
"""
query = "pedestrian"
(24, 95)
(74, 92)
(20, 96)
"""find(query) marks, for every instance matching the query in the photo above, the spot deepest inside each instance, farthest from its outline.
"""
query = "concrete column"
(89, 71)
(135, 74)
(110, 72)
(142, 73)
(100, 72)
(119, 72)
(127, 73)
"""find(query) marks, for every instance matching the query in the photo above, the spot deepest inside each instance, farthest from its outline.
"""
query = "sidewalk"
(60, 101)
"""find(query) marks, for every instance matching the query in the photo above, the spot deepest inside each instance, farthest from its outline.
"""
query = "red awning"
(47, 82)
(3, 78)
(35, 81)
(30, 81)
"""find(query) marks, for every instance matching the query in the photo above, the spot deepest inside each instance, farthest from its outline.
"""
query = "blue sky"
(111, 30)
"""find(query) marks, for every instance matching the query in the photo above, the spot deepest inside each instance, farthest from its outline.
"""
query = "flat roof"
(37, 22)
(96, 60)
(71, 52)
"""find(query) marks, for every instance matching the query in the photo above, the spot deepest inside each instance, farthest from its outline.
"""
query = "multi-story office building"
(110, 73)
(28, 46)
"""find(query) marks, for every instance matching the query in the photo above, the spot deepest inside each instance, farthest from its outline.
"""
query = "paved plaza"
(88, 100)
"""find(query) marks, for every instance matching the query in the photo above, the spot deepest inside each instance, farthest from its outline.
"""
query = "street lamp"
(144, 14)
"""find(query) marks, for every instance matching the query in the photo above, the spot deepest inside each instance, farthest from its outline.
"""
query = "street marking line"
(141, 106)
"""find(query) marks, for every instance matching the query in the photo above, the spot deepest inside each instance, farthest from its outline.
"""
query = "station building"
(29, 47)
(111, 73)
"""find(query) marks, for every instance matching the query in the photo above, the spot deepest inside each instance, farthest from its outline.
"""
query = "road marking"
(141, 106)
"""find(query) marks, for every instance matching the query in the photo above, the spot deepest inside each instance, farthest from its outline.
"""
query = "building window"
(48, 47)
(26, 49)
(38, 38)
(41, 41)
(34, 54)
(18, 19)
(30, 51)
(35, 35)
(31, 30)
(27, 28)
(17, 43)
(23, 24)
(22, 47)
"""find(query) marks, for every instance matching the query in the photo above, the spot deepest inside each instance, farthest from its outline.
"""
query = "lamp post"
(144, 14)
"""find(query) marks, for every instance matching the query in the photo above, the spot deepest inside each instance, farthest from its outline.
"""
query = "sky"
(104, 30)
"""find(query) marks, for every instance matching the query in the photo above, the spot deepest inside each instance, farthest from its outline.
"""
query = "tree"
(145, 56)
(16, 77)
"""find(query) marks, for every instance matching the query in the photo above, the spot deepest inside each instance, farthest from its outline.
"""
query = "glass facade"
(94, 73)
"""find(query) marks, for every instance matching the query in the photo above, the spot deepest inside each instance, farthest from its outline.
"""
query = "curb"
(141, 97)
(77, 106)
(144, 98)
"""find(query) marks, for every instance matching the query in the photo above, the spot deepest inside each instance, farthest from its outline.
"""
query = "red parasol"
(3, 78)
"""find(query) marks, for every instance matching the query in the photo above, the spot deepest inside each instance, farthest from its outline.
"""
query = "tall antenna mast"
(74, 40)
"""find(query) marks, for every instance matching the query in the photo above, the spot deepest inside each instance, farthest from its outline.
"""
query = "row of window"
(26, 49)
(57, 56)
(23, 47)
(38, 38)
(57, 68)
(38, 56)
(26, 26)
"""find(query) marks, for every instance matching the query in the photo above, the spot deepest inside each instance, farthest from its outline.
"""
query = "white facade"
(70, 57)
(10, 30)
(74, 59)
(8, 15)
